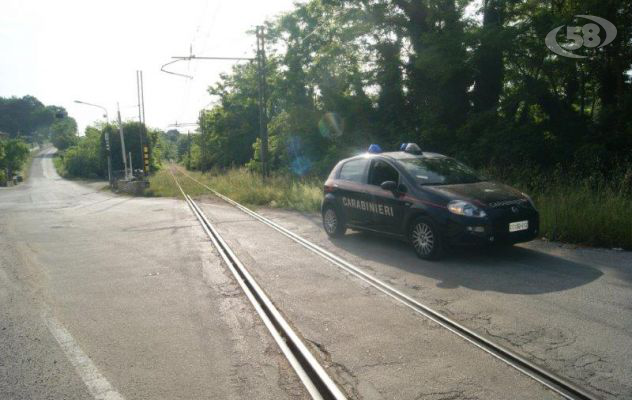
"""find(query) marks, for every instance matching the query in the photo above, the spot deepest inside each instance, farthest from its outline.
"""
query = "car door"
(390, 207)
(352, 189)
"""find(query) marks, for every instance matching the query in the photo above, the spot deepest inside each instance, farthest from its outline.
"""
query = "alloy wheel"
(330, 220)
(423, 238)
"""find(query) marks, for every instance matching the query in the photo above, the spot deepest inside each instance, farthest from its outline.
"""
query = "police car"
(428, 199)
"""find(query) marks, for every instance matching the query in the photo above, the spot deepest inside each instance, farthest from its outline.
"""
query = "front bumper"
(492, 229)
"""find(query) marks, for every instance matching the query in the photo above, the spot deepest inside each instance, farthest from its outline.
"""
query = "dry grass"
(243, 186)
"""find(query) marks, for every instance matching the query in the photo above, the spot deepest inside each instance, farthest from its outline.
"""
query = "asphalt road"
(112, 297)
(563, 307)
(108, 297)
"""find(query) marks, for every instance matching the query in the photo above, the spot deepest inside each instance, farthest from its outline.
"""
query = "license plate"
(518, 226)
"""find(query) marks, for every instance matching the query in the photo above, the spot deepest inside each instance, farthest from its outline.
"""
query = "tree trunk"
(489, 58)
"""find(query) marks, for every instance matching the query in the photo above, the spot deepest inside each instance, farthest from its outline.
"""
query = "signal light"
(411, 148)
(375, 149)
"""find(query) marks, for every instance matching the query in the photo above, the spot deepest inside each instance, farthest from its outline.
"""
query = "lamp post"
(107, 136)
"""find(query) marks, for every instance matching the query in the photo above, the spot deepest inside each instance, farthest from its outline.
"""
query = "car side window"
(382, 171)
(353, 170)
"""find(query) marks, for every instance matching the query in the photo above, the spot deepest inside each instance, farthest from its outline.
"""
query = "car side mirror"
(391, 186)
(401, 188)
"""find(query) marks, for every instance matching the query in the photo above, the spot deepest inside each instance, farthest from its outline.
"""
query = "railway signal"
(146, 159)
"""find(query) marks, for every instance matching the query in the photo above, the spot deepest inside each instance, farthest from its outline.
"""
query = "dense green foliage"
(63, 133)
(33, 122)
(88, 157)
(484, 88)
(588, 208)
(13, 154)
(168, 143)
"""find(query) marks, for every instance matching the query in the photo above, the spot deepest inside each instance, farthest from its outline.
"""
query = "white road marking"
(97, 385)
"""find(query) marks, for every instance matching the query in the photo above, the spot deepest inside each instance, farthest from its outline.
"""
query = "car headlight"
(461, 207)
(530, 200)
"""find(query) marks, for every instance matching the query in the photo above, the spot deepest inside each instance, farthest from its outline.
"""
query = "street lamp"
(107, 136)
(107, 118)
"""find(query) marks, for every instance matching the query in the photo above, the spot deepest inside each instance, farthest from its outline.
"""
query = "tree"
(64, 133)
(15, 153)
(488, 59)
(27, 117)
(346, 73)
(88, 157)
(168, 144)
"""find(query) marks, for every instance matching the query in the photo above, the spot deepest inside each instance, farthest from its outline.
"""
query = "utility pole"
(142, 96)
(108, 149)
(261, 83)
(189, 137)
(203, 155)
(263, 114)
(140, 113)
(118, 109)
(144, 149)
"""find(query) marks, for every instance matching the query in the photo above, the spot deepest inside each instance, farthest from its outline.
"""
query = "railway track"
(313, 376)
(556, 383)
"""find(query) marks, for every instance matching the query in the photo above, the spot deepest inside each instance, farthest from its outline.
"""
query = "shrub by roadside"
(14, 154)
(59, 165)
(593, 210)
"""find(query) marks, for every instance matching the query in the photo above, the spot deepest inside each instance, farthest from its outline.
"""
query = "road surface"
(114, 297)
(562, 307)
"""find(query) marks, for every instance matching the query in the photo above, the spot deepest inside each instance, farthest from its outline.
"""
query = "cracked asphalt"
(373, 347)
(564, 307)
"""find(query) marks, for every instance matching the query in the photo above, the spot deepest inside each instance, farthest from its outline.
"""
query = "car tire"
(426, 239)
(333, 222)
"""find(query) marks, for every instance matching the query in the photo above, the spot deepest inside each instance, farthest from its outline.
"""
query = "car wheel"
(333, 222)
(425, 239)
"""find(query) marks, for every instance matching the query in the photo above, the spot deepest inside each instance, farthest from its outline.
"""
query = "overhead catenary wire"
(262, 97)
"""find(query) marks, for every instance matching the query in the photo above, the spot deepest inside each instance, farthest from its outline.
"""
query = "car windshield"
(440, 171)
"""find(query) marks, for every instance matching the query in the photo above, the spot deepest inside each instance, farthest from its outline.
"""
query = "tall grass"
(243, 186)
(580, 214)
(58, 162)
(593, 210)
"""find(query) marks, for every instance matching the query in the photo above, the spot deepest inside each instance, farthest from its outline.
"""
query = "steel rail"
(313, 376)
(556, 383)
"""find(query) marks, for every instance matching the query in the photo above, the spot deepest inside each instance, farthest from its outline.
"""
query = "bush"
(13, 154)
(84, 159)
(80, 163)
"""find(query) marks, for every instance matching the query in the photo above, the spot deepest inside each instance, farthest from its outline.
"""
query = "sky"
(61, 51)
